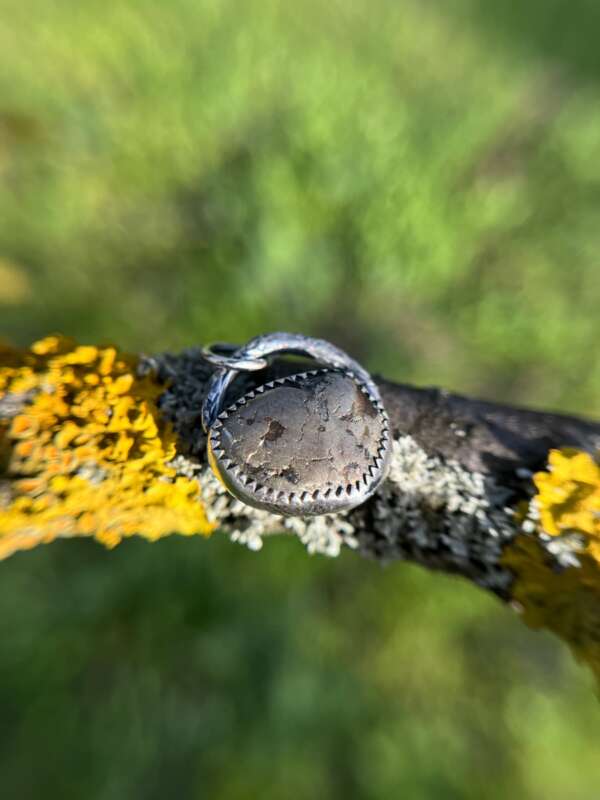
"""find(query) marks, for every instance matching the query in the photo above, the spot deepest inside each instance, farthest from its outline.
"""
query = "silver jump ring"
(310, 443)
(236, 362)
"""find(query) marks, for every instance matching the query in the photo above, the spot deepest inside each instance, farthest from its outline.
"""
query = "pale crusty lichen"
(325, 534)
(434, 511)
(556, 560)
(83, 451)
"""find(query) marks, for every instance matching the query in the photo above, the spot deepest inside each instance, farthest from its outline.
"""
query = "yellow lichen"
(564, 599)
(86, 453)
(569, 496)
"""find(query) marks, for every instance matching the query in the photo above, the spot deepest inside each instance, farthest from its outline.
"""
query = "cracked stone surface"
(315, 441)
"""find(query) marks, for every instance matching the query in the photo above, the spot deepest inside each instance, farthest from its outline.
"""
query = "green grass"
(419, 182)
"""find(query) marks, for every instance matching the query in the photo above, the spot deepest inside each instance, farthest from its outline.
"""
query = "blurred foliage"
(419, 182)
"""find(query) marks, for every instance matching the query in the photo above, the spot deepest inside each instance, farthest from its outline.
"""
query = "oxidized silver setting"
(316, 442)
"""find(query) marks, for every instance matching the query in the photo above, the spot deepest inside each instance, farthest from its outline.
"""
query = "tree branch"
(98, 443)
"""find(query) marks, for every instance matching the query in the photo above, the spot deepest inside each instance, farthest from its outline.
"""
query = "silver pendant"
(316, 442)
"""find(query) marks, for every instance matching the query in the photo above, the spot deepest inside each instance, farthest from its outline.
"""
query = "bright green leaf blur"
(417, 181)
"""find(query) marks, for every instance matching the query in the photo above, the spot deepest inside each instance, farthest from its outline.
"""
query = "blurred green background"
(417, 181)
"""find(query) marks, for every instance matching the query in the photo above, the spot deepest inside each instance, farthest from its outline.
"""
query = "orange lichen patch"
(563, 598)
(23, 427)
(86, 453)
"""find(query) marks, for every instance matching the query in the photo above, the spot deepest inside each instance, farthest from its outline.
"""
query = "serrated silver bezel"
(303, 503)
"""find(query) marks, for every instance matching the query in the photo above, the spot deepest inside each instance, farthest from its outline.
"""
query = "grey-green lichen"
(429, 511)
(247, 525)
(437, 513)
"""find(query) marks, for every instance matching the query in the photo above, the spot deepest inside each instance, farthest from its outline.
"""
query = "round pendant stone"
(313, 443)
